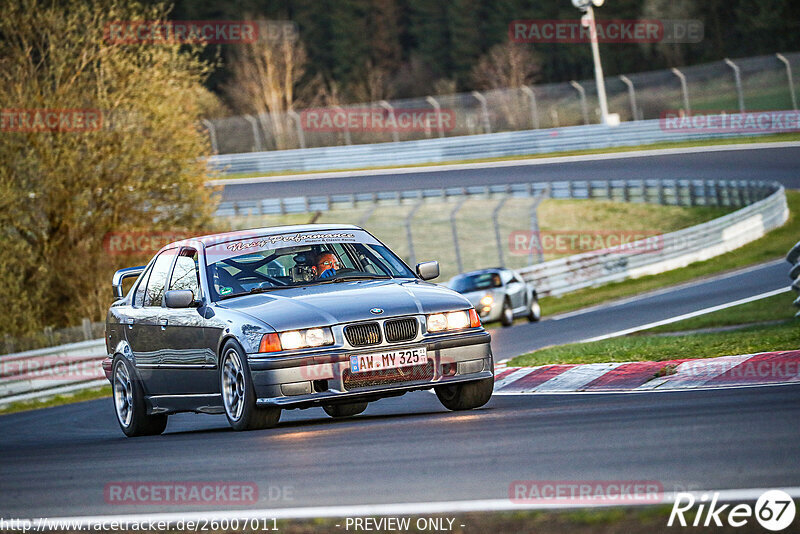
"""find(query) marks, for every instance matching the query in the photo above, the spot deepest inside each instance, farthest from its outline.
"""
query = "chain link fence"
(747, 84)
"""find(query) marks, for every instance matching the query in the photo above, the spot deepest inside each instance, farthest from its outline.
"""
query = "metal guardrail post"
(487, 126)
(347, 139)
(554, 117)
(454, 228)
(388, 107)
(496, 224)
(737, 74)
(411, 257)
(785, 61)
(534, 108)
(793, 257)
(631, 96)
(212, 135)
(301, 136)
(535, 226)
(684, 90)
(584, 107)
(438, 109)
(256, 137)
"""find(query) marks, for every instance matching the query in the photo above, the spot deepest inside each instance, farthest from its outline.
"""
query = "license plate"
(392, 359)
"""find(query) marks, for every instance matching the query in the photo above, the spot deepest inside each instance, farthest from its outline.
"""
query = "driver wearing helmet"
(326, 265)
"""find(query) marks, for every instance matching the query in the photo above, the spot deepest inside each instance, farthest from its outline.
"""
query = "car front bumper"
(315, 379)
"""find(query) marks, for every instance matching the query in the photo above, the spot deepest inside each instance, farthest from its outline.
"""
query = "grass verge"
(613, 150)
(58, 400)
(772, 246)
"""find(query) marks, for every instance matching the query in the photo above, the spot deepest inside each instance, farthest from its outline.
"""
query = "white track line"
(417, 508)
(665, 290)
(688, 315)
(498, 164)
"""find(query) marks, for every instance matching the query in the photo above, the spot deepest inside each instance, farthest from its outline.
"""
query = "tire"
(345, 410)
(466, 396)
(534, 309)
(129, 404)
(506, 314)
(238, 393)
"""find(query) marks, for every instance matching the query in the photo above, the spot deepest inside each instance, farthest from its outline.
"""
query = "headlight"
(296, 339)
(487, 300)
(439, 322)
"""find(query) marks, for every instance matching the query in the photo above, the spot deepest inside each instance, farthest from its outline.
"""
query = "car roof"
(225, 237)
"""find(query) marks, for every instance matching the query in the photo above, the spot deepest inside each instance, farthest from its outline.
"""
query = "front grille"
(363, 334)
(400, 330)
(387, 376)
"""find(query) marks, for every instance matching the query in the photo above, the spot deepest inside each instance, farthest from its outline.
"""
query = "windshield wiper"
(351, 277)
(253, 291)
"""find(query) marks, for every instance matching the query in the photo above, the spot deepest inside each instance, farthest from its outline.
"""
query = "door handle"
(163, 323)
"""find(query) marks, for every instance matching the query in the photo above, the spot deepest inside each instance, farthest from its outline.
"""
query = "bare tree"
(265, 79)
(506, 65)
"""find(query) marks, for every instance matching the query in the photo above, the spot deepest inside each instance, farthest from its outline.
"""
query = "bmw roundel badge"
(376, 311)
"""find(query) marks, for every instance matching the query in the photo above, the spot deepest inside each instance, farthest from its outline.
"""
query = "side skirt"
(169, 404)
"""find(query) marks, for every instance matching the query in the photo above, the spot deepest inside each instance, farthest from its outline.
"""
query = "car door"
(515, 289)
(145, 335)
(189, 362)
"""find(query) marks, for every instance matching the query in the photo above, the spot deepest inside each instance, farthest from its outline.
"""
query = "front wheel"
(506, 314)
(534, 309)
(129, 403)
(466, 396)
(238, 393)
(344, 410)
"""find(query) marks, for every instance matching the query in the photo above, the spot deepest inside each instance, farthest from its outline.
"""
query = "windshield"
(292, 266)
(476, 282)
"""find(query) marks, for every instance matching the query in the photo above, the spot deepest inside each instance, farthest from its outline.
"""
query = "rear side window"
(186, 274)
(154, 294)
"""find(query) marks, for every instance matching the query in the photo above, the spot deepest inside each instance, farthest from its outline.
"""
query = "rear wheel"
(506, 314)
(344, 410)
(238, 393)
(466, 396)
(129, 403)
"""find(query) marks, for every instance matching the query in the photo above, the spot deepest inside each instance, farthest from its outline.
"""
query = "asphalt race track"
(762, 164)
(57, 461)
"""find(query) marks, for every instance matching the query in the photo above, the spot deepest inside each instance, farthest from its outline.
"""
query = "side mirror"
(121, 275)
(428, 270)
(179, 298)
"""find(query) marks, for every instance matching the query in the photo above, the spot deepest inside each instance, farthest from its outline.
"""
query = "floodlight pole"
(586, 6)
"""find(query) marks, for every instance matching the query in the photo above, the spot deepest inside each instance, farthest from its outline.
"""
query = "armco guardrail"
(734, 193)
(793, 257)
(674, 250)
(47, 372)
(439, 150)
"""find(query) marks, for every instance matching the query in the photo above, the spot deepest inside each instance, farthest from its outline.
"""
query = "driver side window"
(186, 274)
(154, 294)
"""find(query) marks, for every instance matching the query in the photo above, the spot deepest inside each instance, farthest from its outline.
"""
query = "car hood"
(344, 302)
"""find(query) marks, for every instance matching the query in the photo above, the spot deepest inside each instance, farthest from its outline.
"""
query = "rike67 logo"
(774, 510)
